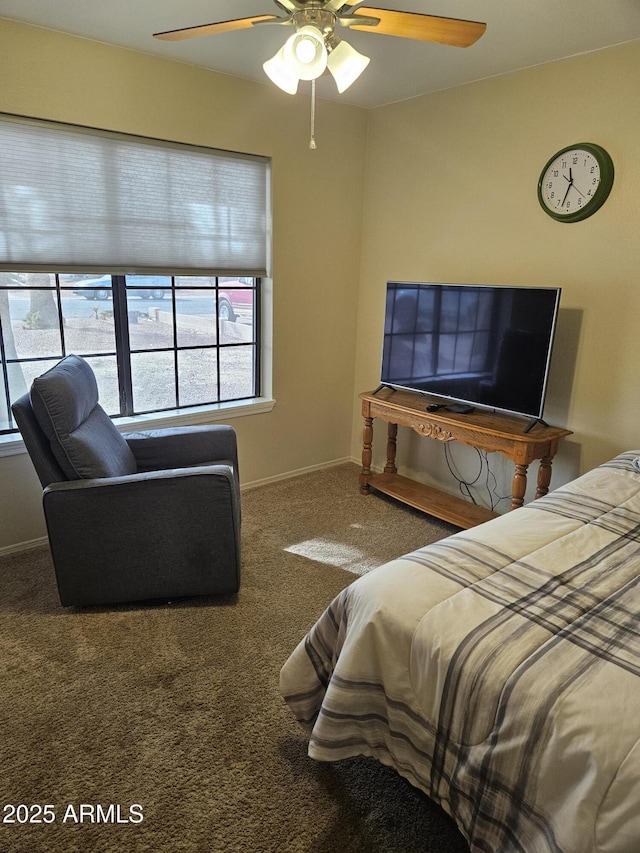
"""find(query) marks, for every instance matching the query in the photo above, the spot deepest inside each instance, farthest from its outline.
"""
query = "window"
(155, 343)
(80, 211)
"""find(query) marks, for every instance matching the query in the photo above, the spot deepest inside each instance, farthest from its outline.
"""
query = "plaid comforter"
(498, 671)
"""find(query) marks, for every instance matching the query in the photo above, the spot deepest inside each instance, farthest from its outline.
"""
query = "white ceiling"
(520, 33)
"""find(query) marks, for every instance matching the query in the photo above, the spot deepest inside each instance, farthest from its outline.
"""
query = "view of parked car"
(234, 303)
(100, 288)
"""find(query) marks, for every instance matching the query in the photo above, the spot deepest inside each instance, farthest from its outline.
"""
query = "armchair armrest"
(181, 447)
(159, 500)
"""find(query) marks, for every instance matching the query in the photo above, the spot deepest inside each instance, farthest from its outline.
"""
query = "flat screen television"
(473, 344)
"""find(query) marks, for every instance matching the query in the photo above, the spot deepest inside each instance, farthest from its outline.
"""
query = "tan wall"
(317, 203)
(451, 197)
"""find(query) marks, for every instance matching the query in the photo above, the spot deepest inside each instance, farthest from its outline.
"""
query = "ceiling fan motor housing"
(315, 17)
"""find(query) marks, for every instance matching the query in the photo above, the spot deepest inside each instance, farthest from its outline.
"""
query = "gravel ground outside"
(152, 372)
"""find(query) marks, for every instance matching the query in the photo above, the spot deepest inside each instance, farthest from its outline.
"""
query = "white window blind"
(74, 198)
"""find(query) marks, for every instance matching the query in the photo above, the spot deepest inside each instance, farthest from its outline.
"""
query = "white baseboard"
(23, 546)
(322, 466)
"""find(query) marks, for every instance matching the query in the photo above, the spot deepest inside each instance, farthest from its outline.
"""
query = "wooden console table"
(482, 429)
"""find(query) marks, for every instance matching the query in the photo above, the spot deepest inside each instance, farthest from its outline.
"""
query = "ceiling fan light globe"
(305, 53)
(346, 64)
(306, 50)
(278, 71)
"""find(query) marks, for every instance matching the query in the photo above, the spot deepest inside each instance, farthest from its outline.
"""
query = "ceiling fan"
(315, 48)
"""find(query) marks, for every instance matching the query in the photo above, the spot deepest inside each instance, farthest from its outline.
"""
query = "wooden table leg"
(367, 441)
(519, 486)
(544, 476)
(392, 432)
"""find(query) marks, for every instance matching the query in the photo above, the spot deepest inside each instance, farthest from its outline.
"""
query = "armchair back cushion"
(84, 440)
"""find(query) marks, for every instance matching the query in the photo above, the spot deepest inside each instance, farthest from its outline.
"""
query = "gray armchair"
(140, 516)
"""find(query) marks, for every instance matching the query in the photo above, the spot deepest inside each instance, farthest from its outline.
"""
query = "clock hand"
(570, 179)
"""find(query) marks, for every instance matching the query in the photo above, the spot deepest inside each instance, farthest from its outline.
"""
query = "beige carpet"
(176, 708)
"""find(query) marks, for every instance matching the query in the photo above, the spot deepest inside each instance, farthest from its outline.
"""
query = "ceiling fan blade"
(211, 29)
(411, 25)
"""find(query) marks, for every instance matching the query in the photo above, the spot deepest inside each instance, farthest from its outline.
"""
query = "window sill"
(11, 445)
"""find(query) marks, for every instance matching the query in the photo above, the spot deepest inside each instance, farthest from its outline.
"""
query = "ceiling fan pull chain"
(312, 141)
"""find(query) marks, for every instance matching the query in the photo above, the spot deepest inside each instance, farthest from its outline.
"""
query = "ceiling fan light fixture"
(305, 53)
(278, 71)
(346, 64)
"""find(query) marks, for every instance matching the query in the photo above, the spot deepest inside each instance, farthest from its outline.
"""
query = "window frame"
(127, 421)
(122, 308)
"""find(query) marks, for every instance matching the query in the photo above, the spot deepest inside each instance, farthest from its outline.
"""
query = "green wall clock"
(575, 182)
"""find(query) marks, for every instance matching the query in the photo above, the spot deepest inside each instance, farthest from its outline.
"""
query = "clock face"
(575, 182)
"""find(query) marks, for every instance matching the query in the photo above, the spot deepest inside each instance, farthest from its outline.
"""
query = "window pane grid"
(150, 353)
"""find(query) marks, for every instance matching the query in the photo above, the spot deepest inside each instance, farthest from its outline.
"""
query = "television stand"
(483, 430)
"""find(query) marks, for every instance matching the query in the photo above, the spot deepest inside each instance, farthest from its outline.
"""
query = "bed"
(498, 671)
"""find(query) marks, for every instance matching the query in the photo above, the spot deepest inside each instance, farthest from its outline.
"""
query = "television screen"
(475, 344)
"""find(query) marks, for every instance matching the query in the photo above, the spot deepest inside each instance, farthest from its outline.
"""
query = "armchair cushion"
(84, 440)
